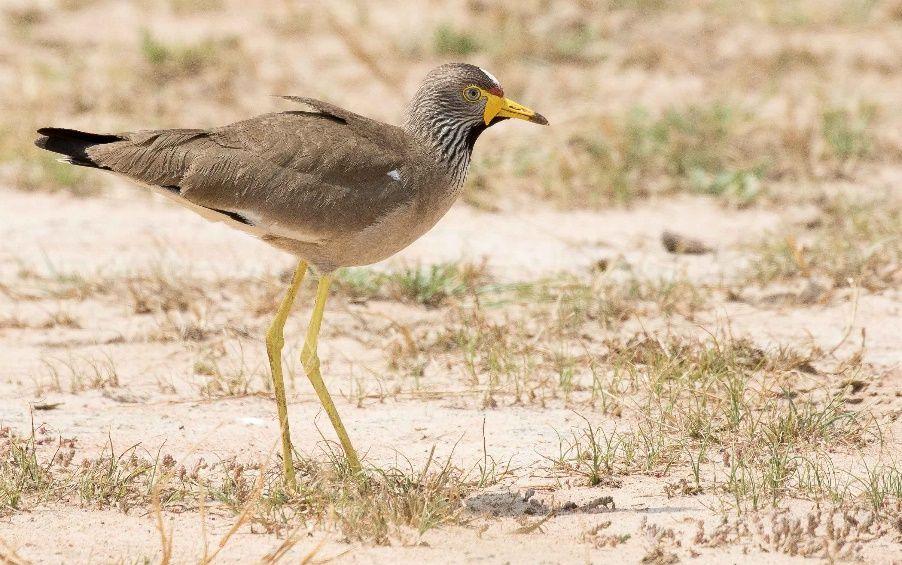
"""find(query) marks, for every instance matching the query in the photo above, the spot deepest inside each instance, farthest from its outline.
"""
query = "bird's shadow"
(506, 504)
(509, 504)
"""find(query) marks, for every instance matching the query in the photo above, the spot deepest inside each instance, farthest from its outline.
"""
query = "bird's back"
(300, 179)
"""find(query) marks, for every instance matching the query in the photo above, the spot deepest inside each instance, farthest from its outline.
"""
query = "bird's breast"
(397, 228)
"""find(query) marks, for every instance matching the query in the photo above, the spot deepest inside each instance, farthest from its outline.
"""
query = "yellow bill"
(498, 107)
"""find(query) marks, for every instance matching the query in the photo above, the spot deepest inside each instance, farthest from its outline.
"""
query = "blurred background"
(749, 102)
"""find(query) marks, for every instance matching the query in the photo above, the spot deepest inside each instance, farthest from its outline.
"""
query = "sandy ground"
(785, 63)
(111, 235)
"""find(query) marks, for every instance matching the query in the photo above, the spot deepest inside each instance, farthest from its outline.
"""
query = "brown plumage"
(331, 186)
(328, 185)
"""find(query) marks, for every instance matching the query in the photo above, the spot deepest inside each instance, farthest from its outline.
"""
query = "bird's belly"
(395, 231)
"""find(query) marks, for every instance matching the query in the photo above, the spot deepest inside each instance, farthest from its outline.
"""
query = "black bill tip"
(538, 119)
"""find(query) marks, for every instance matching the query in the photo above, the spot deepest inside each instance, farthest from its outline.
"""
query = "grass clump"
(431, 286)
(169, 62)
(737, 187)
(532, 342)
(714, 149)
(447, 40)
(696, 149)
(375, 507)
(77, 374)
(386, 502)
(853, 243)
(848, 134)
(225, 375)
(520, 33)
(753, 426)
(21, 474)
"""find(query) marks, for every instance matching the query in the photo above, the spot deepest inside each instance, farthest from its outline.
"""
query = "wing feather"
(305, 175)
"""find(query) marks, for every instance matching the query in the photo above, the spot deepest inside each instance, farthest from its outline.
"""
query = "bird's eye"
(472, 93)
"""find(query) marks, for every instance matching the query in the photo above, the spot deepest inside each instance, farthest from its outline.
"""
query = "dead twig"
(852, 315)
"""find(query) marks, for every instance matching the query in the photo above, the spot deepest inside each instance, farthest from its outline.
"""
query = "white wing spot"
(491, 76)
(395, 174)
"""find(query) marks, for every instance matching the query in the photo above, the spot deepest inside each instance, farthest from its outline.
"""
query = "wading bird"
(331, 187)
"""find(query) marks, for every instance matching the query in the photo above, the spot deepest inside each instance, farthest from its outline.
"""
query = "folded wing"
(303, 175)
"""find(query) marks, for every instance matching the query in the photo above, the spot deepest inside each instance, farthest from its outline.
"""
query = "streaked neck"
(450, 139)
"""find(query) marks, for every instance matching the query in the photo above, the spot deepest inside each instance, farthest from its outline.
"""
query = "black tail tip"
(77, 135)
(72, 144)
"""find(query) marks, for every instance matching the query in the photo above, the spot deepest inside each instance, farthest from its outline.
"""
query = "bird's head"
(456, 102)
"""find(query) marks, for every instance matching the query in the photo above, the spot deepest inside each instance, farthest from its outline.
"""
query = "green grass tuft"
(848, 135)
(447, 40)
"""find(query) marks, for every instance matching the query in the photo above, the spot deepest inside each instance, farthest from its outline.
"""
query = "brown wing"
(305, 175)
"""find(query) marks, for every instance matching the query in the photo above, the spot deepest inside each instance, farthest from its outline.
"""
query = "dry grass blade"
(246, 514)
(287, 544)
(165, 537)
(850, 324)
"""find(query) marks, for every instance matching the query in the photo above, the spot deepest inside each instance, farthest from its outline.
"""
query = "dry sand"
(104, 235)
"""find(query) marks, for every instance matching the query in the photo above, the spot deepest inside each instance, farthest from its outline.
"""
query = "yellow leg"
(274, 343)
(310, 361)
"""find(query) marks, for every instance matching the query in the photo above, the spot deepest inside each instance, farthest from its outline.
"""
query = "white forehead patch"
(491, 76)
(395, 174)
